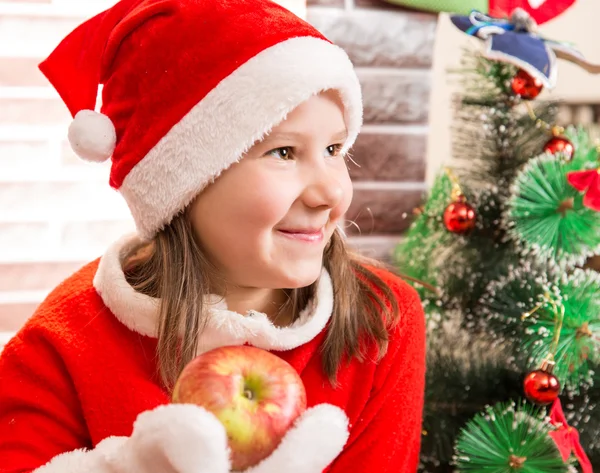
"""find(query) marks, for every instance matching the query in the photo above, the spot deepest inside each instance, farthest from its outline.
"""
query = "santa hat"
(188, 87)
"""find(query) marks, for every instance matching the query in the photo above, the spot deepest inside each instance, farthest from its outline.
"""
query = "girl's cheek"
(269, 204)
(278, 191)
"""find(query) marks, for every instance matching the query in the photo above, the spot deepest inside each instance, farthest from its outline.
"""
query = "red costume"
(83, 368)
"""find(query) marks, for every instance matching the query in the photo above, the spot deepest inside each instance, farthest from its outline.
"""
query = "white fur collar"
(140, 312)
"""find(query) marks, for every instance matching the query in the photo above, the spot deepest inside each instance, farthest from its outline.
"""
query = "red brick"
(37, 276)
(325, 3)
(22, 72)
(381, 211)
(396, 97)
(389, 157)
(379, 38)
(381, 4)
(33, 111)
(13, 316)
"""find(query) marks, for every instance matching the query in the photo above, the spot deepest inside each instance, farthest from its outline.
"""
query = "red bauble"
(459, 217)
(526, 86)
(541, 387)
(558, 144)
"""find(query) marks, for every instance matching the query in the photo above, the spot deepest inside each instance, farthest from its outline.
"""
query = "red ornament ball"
(459, 217)
(541, 387)
(558, 144)
(526, 86)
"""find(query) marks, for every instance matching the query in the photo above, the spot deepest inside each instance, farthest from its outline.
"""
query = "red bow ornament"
(588, 182)
(566, 438)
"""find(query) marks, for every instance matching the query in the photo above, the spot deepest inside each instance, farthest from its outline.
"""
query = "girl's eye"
(286, 152)
(282, 153)
(334, 150)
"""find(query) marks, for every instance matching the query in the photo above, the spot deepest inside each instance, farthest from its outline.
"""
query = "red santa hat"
(188, 87)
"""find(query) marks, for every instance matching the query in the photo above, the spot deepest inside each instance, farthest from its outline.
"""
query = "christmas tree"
(499, 253)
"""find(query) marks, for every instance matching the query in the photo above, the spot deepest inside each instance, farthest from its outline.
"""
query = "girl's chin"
(303, 276)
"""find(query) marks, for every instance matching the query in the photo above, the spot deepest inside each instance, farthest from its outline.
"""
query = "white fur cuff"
(85, 461)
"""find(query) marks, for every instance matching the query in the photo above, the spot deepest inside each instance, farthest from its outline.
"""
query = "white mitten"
(184, 438)
(315, 440)
(176, 438)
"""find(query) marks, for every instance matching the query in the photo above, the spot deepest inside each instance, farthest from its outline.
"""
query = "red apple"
(256, 395)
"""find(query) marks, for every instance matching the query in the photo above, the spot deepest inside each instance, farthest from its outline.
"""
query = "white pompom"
(92, 136)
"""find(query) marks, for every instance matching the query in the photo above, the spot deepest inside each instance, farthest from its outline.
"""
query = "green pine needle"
(415, 255)
(581, 411)
(492, 136)
(546, 214)
(506, 439)
(578, 349)
(578, 353)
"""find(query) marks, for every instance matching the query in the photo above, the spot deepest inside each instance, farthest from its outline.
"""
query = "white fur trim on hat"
(92, 136)
(238, 112)
(224, 327)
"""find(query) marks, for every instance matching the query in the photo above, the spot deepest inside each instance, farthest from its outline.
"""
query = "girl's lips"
(307, 235)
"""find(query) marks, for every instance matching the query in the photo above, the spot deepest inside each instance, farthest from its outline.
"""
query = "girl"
(227, 123)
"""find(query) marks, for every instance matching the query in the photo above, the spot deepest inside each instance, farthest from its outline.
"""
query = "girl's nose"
(324, 189)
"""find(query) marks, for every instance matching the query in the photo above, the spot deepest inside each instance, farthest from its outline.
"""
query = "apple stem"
(248, 394)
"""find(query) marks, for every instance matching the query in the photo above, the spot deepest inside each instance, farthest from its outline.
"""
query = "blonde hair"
(174, 269)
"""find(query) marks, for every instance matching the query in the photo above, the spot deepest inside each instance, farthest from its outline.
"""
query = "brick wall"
(58, 212)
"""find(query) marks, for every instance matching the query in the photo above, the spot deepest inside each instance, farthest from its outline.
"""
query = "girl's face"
(266, 220)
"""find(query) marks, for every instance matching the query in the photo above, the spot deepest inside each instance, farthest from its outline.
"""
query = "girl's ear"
(139, 256)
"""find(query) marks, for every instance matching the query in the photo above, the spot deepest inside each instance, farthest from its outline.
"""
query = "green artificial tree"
(498, 254)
